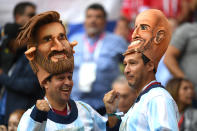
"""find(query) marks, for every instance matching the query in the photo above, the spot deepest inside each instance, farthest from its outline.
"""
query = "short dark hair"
(97, 6)
(20, 7)
(146, 60)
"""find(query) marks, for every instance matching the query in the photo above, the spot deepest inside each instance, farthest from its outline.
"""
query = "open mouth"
(135, 43)
(65, 90)
(58, 56)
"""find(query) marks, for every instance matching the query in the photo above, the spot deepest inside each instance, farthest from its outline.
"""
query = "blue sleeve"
(38, 115)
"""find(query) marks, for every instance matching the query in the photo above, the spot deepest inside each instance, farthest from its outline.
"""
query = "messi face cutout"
(54, 52)
(49, 51)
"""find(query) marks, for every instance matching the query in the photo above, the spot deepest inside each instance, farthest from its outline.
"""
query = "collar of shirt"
(65, 112)
(91, 43)
(148, 85)
(147, 88)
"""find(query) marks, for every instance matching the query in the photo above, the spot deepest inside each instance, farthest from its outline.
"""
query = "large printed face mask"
(53, 53)
(151, 35)
(49, 51)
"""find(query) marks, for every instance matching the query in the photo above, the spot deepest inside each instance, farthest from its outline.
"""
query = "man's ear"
(45, 84)
(17, 17)
(150, 66)
(159, 36)
(30, 53)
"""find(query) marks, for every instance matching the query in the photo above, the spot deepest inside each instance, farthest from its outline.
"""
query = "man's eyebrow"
(46, 36)
(144, 25)
(131, 60)
(62, 33)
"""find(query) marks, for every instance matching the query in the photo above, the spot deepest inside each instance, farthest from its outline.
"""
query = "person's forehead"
(184, 82)
(50, 29)
(95, 11)
(13, 117)
(147, 18)
(29, 9)
(64, 74)
(133, 56)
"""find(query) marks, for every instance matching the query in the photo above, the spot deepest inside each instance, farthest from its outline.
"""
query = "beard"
(143, 47)
(92, 30)
(51, 67)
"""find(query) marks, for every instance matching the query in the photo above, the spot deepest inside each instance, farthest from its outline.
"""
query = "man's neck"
(143, 85)
(60, 106)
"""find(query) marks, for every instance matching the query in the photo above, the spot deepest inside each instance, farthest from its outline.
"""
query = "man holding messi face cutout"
(51, 58)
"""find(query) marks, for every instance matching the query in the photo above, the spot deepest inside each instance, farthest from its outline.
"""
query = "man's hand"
(42, 105)
(111, 100)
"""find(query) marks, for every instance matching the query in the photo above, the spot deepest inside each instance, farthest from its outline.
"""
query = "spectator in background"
(16, 77)
(188, 11)
(22, 13)
(182, 91)
(123, 29)
(14, 119)
(96, 59)
(127, 94)
(20, 85)
(181, 55)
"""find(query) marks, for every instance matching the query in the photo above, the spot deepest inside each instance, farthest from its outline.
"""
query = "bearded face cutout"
(49, 51)
(54, 52)
(151, 35)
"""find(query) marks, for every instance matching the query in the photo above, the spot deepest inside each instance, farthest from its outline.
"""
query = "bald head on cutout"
(151, 36)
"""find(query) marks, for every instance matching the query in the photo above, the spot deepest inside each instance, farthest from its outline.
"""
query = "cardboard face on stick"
(151, 36)
(49, 51)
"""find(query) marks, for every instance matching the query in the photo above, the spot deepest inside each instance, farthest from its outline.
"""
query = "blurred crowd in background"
(19, 87)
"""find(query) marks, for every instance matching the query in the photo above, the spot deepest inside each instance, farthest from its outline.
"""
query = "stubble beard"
(92, 31)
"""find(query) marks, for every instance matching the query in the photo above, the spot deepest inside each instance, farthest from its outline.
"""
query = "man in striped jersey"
(51, 58)
(154, 108)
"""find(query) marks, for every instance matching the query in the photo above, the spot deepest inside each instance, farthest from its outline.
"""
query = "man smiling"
(51, 58)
